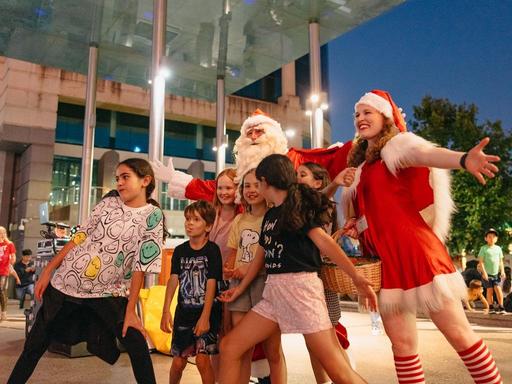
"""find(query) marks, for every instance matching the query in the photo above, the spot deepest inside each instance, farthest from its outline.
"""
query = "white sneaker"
(3, 316)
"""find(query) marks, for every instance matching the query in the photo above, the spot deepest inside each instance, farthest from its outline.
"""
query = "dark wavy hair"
(203, 209)
(142, 168)
(303, 205)
(321, 174)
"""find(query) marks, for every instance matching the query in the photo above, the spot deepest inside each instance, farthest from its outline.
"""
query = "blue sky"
(455, 49)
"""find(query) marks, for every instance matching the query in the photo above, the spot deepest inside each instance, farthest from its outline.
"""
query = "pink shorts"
(296, 302)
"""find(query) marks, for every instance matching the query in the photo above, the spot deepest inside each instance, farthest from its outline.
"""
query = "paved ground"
(371, 353)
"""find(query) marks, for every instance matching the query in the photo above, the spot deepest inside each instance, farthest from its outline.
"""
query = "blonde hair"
(229, 172)
(5, 230)
(360, 152)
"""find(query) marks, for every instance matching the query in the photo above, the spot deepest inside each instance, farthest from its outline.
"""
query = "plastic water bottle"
(377, 328)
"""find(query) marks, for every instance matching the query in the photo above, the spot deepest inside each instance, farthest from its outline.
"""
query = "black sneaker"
(492, 311)
(501, 310)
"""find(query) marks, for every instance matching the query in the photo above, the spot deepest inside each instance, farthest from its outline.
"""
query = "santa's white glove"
(177, 180)
(338, 144)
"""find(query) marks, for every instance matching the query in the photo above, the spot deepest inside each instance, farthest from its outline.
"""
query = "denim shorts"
(493, 281)
(186, 344)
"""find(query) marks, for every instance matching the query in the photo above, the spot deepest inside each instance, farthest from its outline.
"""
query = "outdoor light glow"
(136, 149)
(165, 72)
(150, 81)
(314, 98)
(290, 133)
(309, 113)
(214, 149)
(324, 106)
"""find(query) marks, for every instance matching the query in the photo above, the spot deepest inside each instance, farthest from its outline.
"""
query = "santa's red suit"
(248, 155)
(333, 159)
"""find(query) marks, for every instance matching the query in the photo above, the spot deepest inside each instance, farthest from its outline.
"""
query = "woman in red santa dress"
(398, 178)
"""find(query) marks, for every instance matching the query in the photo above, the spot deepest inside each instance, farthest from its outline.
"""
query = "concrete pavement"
(371, 353)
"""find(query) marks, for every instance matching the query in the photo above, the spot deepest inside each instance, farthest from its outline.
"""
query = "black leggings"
(42, 334)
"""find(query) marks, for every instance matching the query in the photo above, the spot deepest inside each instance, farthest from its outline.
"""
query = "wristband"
(463, 160)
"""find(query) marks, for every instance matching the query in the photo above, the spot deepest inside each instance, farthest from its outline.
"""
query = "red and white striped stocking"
(480, 364)
(409, 369)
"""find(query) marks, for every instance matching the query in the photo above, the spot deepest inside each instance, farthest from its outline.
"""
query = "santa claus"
(260, 136)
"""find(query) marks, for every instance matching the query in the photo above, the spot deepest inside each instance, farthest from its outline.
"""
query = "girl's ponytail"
(305, 206)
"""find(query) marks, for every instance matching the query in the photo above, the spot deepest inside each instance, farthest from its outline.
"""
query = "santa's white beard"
(249, 155)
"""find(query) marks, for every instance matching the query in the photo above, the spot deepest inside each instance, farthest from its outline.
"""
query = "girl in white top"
(98, 276)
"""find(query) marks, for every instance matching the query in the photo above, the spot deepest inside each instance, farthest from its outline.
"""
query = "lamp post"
(316, 104)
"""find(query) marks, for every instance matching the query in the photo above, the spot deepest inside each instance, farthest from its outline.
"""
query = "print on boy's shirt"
(193, 280)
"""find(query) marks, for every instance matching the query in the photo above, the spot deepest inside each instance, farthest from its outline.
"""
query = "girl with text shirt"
(291, 241)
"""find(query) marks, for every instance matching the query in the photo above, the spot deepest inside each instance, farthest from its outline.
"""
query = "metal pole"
(317, 118)
(220, 133)
(157, 111)
(90, 117)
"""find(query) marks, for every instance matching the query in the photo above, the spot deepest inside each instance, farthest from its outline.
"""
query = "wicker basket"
(338, 281)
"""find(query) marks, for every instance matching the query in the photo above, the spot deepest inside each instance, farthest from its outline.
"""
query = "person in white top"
(98, 275)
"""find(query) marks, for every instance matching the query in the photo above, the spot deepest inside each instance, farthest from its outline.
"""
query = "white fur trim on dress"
(440, 181)
(377, 102)
(178, 182)
(427, 298)
(400, 152)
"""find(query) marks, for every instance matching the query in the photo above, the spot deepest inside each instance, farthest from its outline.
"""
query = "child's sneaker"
(501, 310)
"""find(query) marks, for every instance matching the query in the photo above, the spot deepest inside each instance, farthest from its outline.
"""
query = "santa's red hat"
(259, 117)
(382, 102)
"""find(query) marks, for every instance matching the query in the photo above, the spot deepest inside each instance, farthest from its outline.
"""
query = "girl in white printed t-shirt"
(98, 275)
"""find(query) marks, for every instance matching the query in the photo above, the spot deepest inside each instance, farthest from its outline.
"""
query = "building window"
(132, 132)
(66, 181)
(267, 89)
(180, 139)
(70, 125)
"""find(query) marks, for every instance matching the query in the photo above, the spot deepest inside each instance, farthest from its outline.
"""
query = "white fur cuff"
(178, 183)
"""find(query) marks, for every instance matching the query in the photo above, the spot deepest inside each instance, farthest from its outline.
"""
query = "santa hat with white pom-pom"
(382, 102)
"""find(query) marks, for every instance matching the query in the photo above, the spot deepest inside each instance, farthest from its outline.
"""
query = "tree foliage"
(478, 207)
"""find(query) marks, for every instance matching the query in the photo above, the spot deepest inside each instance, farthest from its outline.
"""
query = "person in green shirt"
(490, 260)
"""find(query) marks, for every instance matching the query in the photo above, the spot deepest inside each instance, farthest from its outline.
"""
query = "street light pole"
(317, 117)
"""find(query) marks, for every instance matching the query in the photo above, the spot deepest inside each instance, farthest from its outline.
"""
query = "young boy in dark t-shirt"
(196, 267)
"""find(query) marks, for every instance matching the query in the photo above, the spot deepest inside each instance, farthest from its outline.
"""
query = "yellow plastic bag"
(152, 300)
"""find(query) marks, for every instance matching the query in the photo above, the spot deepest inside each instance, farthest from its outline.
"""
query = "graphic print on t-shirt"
(273, 248)
(248, 237)
(115, 241)
(193, 278)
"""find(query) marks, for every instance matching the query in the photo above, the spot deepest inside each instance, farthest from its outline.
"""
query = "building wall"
(29, 98)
